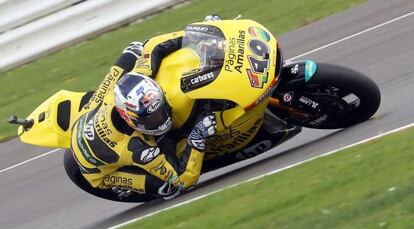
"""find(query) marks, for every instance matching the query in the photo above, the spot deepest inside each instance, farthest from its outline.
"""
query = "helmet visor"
(155, 123)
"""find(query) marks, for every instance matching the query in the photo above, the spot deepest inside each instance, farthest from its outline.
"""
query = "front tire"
(342, 97)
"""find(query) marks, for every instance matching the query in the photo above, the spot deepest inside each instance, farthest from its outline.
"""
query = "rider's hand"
(122, 192)
(135, 48)
(206, 127)
(213, 17)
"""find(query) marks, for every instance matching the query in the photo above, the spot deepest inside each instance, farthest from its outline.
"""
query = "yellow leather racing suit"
(110, 153)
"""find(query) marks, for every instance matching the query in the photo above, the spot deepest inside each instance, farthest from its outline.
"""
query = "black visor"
(155, 123)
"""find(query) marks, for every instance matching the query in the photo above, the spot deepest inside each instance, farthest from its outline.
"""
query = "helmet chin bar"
(162, 129)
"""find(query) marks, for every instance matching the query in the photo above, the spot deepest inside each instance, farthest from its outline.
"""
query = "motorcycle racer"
(120, 143)
(114, 142)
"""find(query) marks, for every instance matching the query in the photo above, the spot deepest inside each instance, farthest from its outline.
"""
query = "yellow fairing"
(169, 75)
(236, 136)
(46, 130)
(234, 82)
(239, 81)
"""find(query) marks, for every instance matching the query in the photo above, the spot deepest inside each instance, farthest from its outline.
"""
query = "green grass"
(82, 66)
(368, 186)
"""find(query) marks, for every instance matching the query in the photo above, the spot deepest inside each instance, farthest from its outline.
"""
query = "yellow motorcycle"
(235, 69)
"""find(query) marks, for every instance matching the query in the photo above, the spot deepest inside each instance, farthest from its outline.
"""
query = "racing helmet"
(140, 101)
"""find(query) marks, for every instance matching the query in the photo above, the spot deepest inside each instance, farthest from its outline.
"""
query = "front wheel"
(331, 97)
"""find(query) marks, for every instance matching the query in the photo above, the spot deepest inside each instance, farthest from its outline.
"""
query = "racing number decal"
(259, 66)
(259, 63)
(258, 47)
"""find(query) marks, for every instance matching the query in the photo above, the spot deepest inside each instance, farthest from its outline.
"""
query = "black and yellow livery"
(230, 84)
(229, 68)
(102, 142)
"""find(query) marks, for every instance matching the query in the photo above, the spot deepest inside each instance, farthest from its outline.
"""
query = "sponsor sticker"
(166, 124)
(287, 98)
(257, 80)
(197, 28)
(259, 63)
(149, 154)
(101, 126)
(130, 105)
(221, 143)
(195, 81)
(139, 91)
(103, 89)
(118, 180)
(235, 53)
(259, 33)
(154, 106)
(295, 69)
(88, 131)
(319, 120)
(202, 78)
(82, 145)
(268, 92)
(310, 69)
(308, 102)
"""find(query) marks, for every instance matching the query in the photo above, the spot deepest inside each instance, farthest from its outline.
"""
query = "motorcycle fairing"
(235, 82)
(248, 66)
(295, 74)
(245, 77)
(53, 119)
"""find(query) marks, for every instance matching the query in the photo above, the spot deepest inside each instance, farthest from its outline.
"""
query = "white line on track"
(266, 174)
(351, 36)
(27, 161)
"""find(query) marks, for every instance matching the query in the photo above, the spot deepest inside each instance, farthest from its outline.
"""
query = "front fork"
(288, 100)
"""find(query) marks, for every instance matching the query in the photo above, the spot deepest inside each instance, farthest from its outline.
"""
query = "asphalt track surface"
(38, 194)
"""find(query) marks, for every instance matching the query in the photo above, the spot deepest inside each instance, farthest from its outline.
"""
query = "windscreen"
(210, 48)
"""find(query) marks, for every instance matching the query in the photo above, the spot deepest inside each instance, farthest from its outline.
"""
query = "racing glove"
(206, 127)
(135, 48)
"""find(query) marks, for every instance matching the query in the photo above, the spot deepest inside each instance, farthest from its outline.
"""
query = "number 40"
(259, 62)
